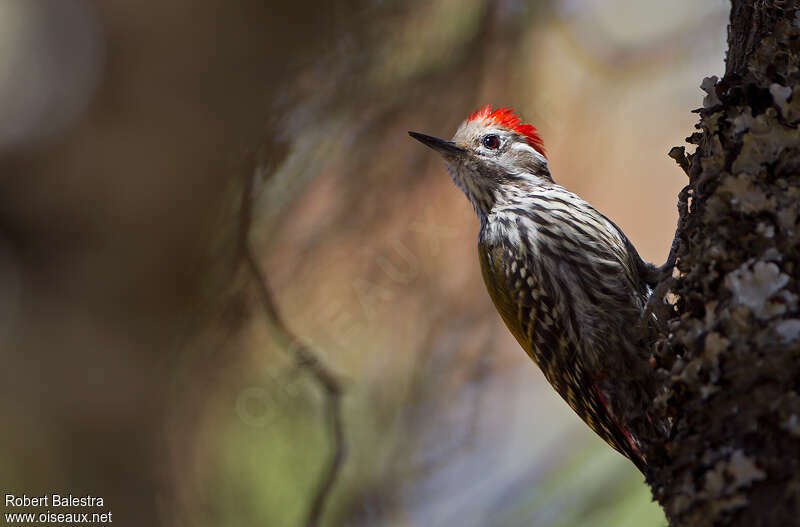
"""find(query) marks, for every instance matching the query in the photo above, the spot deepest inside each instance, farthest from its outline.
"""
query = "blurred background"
(149, 152)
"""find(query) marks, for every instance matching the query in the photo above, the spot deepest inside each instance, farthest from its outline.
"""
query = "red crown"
(507, 117)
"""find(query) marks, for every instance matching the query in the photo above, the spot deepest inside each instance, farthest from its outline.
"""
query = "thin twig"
(304, 357)
(656, 305)
(683, 211)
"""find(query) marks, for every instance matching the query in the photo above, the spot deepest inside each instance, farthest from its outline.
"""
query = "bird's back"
(554, 274)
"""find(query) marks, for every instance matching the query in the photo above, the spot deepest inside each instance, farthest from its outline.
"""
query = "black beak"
(440, 145)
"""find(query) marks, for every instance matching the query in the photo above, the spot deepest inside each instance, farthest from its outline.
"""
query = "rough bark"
(729, 363)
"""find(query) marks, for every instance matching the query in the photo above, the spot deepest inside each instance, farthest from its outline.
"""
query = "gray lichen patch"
(728, 476)
(744, 195)
(788, 330)
(787, 100)
(743, 122)
(708, 86)
(755, 285)
(764, 142)
(743, 471)
(792, 425)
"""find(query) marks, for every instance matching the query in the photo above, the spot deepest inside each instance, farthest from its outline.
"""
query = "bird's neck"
(489, 193)
(522, 213)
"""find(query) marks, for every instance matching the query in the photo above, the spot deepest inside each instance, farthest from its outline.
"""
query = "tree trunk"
(729, 364)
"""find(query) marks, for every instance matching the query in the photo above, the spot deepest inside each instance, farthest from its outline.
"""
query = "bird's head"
(493, 157)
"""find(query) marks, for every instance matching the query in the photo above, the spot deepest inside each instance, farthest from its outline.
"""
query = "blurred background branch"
(306, 359)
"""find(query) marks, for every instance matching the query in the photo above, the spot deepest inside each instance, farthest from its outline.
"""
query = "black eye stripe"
(490, 141)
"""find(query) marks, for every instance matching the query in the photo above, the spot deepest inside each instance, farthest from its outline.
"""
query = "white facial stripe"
(528, 148)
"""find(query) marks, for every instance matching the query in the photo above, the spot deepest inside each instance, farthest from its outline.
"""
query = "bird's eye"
(491, 141)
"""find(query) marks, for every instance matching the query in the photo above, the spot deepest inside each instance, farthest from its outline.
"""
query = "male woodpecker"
(565, 279)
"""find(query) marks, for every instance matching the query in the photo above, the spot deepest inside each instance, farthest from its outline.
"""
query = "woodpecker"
(566, 280)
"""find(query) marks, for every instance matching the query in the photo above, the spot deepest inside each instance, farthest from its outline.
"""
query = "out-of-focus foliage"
(140, 364)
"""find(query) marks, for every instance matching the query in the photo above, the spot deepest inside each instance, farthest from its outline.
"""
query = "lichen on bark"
(728, 364)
